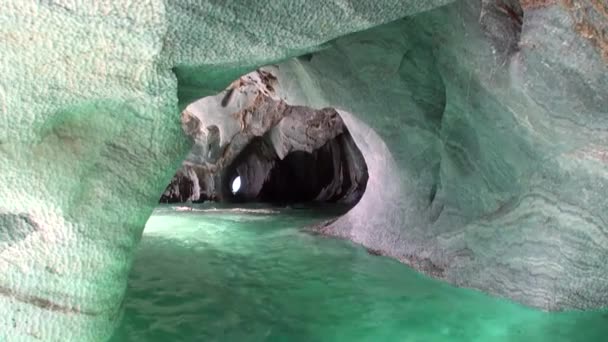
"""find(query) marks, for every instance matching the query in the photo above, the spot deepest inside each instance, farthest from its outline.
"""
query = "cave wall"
(495, 125)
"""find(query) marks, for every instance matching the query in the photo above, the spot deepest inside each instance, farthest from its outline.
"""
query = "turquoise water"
(227, 275)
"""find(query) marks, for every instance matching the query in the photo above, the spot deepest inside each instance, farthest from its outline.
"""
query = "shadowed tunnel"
(334, 173)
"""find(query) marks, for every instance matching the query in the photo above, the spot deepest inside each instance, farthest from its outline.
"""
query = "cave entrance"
(333, 173)
(263, 171)
(250, 146)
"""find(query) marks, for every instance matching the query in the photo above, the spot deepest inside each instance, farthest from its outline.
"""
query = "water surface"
(254, 275)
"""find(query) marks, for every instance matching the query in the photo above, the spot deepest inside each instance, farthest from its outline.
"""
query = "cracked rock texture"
(484, 132)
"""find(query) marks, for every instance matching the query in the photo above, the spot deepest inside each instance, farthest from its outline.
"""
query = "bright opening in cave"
(236, 184)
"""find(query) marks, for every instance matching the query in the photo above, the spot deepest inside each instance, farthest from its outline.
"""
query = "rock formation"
(495, 117)
(482, 123)
(281, 153)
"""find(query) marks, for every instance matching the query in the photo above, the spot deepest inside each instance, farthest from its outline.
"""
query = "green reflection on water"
(241, 276)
